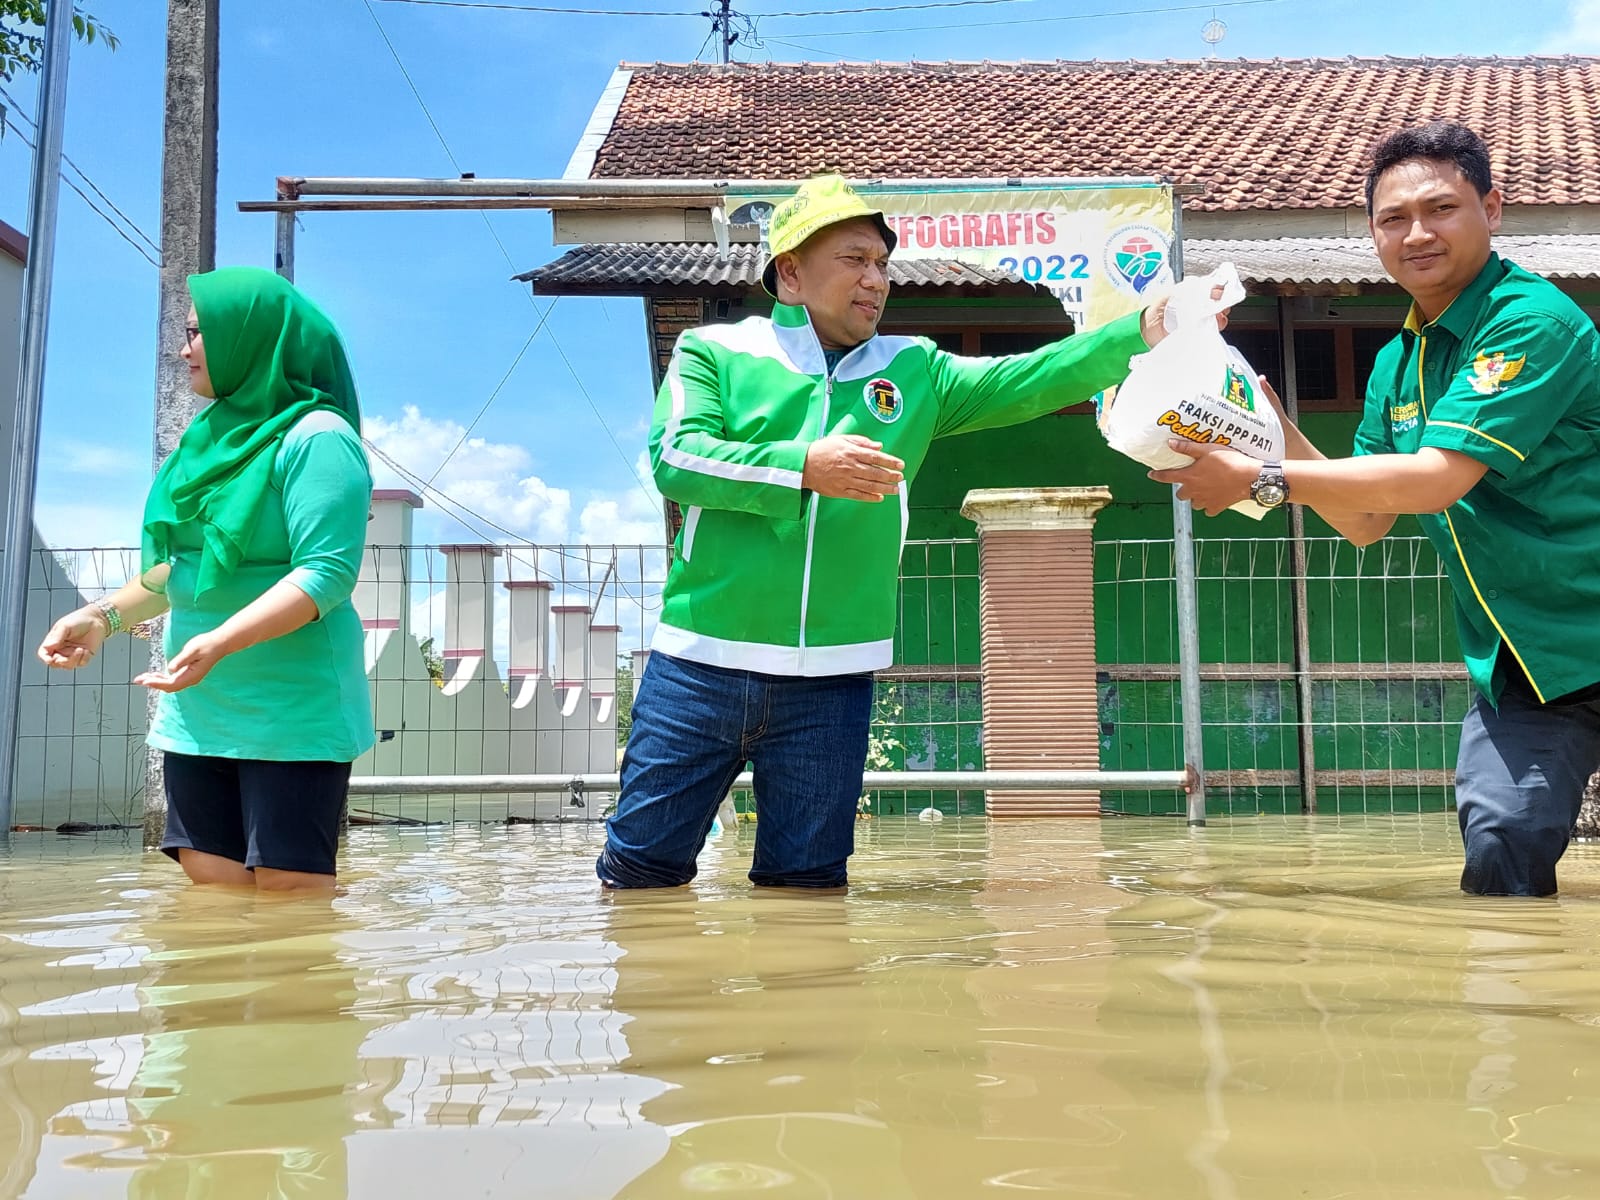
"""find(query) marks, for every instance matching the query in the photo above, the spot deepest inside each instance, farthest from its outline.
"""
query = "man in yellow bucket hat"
(782, 437)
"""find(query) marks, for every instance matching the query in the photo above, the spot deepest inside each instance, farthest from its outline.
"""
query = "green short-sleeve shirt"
(1510, 375)
(303, 696)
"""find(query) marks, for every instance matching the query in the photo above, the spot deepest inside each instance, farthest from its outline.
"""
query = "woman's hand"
(74, 639)
(189, 666)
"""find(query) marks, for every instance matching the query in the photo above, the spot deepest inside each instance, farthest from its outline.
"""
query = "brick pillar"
(1036, 612)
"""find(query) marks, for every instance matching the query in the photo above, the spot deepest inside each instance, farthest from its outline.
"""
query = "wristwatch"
(1271, 488)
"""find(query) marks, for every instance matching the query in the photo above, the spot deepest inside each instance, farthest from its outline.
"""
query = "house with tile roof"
(1268, 158)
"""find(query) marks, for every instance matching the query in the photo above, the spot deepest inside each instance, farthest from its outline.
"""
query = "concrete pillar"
(188, 246)
(383, 589)
(572, 644)
(1036, 614)
(603, 659)
(530, 626)
(469, 601)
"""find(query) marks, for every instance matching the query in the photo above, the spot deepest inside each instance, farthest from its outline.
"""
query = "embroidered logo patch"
(883, 400)
(1404, 417)
(1491, 372)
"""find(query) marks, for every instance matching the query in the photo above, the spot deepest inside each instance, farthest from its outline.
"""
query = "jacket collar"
(799, 340)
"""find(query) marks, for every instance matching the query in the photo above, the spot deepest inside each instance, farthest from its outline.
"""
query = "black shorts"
(281, 815)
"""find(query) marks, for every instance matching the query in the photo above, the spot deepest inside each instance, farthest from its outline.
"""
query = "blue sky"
(433, 322)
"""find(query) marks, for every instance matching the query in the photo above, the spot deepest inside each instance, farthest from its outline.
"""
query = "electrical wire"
(1090, 16)
(506, 254)
(544, 8)
(876, 8)
(98, 211)
(467, 432)
(834, 54)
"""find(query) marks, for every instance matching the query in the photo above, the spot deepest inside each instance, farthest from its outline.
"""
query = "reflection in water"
(244, 1083)
(1254, 1011)
(817, 1045)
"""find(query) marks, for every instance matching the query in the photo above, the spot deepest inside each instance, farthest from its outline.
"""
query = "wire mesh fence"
(929, 710)
(1381, 688)
(80, 734)
(522, 659)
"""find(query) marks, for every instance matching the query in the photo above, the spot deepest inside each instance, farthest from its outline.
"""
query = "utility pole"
(724, 25)
(43, 206)
(188, 246)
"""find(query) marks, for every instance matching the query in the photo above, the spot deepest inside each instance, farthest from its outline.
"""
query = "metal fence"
(80, 734)
(1367, 718)
(520, 659)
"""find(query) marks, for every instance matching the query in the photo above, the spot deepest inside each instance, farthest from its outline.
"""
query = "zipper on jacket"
(811, 522)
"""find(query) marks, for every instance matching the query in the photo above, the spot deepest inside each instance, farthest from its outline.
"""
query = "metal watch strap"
(1270, 476)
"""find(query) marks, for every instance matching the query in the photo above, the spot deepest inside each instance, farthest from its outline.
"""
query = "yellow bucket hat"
(820, 202)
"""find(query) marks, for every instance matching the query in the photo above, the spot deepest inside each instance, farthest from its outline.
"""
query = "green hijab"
(273, 357)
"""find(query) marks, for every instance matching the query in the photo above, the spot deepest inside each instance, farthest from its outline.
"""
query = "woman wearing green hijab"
(253, 535)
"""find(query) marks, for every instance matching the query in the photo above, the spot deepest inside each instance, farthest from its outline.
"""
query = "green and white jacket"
(770, 577)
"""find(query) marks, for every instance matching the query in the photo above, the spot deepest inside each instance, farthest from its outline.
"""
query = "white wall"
(10, 358)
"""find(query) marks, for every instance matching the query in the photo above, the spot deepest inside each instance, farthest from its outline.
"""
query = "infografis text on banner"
(1101, 251)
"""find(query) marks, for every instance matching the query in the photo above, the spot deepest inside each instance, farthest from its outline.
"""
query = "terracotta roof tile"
(1285, 133)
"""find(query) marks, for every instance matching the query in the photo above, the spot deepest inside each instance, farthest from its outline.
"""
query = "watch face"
(1269, 495)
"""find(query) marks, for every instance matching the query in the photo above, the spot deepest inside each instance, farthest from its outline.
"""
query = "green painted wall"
(1373, 614)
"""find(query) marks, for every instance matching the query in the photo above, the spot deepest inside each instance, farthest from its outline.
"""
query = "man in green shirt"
(791, 442)
(1483, 418)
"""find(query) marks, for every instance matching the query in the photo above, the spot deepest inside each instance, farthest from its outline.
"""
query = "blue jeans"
(694, 728)
(1519, 783)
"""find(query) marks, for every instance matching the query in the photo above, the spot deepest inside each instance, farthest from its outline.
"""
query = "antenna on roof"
(1213, 31)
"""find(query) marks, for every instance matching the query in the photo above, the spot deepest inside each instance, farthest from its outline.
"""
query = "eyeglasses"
(190, 332)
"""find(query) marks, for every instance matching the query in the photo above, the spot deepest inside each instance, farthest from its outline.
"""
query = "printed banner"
(1099, 250)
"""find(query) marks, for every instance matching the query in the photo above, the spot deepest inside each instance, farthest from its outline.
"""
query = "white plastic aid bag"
(1194, 385)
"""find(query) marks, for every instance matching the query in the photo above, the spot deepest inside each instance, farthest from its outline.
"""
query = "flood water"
(1263, 1010)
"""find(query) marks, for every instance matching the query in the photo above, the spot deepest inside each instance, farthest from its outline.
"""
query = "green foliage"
(22, 29)
(433, 660)
(624, 698)
(883, 739)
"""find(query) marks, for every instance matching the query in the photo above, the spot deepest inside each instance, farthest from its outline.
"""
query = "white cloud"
(491, 480)
(1581, 34)
(487, 478)
(632, 519)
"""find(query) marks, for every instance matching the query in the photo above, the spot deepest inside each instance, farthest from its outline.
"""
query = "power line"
(82, 174)
(447, 504)
(771, 41)
(453, 508)
(421, 103)
(96, 209)
(736, 28)
(1091, 16)
(467, 432)
(849, 12)
(545, 316)
(545, 8)
(437, 132)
